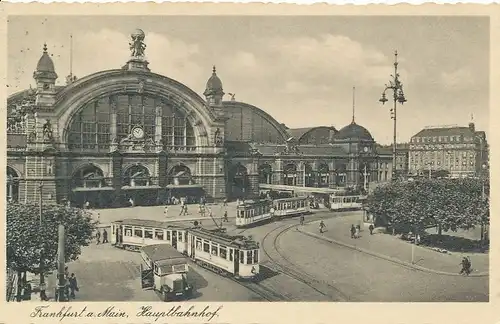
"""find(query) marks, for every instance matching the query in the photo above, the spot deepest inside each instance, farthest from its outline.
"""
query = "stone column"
(158, 128)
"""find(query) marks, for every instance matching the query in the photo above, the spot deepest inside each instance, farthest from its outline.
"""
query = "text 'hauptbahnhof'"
(131, 133)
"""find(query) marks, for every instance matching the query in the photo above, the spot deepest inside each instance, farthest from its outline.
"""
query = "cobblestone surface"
(338, 229)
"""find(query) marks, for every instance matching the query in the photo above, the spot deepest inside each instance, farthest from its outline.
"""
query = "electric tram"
(340, 203)
(216, 250)
(260, 211)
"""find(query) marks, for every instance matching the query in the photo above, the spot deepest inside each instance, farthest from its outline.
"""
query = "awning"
(140, 187)
(170, 186)
(83, 189)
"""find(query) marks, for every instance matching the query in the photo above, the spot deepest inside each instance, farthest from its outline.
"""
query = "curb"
(385, 257)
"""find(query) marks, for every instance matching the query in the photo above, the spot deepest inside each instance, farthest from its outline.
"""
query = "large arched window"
(290, 174)
(323, 175)
(265, 174)
(94, 126)
(308, 175)
(341, 175)
(12, 184)
(89, 176)
(180, 175)
(136, 175)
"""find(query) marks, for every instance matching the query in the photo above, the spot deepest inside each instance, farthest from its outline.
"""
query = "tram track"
(284, 265)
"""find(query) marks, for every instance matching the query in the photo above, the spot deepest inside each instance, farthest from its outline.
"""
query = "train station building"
(132, 133)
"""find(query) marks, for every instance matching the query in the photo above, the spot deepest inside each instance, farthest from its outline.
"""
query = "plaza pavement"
(394, 249)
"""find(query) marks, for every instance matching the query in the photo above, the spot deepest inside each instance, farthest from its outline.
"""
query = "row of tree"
(32, 239)
(413, 206)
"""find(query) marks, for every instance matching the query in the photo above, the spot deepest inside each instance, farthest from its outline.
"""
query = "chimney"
(472, 127)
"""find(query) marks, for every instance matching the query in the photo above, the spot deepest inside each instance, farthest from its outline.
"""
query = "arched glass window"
(308, 175)
(12, 185)
(290, 175)
(265, 174)
(180, 175)
(323, 175)
(92, 127)
(89, 176)
(136, 175)
(341, 175)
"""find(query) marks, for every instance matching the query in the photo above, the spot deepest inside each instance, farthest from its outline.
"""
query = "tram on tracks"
(344, 203)
(259, 211)
(230, 255)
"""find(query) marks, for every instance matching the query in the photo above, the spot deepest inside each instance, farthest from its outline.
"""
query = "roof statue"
(137, 46)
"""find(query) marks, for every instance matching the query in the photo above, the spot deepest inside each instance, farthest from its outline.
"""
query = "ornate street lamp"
(398, 97)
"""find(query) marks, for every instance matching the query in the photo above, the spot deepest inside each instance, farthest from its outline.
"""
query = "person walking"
(302, 220)
(466, 266)
(225, 202)
(353, 231)
(356, 233)
(371, 228)
(104, 236)
(321, 226)
(73, 286)
(98, 237)
(165, 211)
(225, 217)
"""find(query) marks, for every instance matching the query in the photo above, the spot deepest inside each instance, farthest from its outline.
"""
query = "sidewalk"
(157, 213)
(394, 249)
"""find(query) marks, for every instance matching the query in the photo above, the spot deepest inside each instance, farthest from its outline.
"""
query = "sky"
(299, 69)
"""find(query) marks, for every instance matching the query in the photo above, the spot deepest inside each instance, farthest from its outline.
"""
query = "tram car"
(341, 203)
(253, 212)
(165, 270)
(132, 234)
(228, 255)
(287, 207)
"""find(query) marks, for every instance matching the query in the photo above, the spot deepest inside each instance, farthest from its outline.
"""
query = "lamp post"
(483, 198)
(43, 295)
(398, 96)
(365, 183)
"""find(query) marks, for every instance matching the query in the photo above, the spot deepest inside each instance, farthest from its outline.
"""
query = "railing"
(11, 284)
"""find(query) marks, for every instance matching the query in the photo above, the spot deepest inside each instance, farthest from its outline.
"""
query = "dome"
(214, 84)
(45, 64)
(354, 131)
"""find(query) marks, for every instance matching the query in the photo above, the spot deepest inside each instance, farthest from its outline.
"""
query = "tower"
(45, 77)
(213, 92)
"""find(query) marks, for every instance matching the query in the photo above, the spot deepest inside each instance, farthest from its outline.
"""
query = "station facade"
(132, 133)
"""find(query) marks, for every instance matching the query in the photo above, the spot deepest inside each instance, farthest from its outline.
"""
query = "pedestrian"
(131, 202)
(466, 266)
(73, 285)
(225, 202)
(27, 291)
(98, 237)
(165, 211)
(104, 236)
(358, 229)
(371, 228)
(87, 205)
(321, 227)
(225, 217)
(353, 231)
(302, 220)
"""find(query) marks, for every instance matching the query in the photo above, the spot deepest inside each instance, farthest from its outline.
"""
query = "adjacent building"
(131, 133)
(459, 151)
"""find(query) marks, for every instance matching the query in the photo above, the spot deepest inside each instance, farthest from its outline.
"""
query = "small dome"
(214, 84)
(353, 131)
(45, 64)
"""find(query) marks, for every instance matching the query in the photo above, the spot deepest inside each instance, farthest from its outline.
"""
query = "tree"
(28, 243)
(449, 204)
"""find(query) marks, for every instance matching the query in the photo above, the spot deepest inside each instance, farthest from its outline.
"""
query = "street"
(296, 266)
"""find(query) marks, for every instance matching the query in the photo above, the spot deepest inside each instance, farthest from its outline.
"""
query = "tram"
(132, 234)
(340, 203)
(287, 207)
(224, 254)
(253, 212)
(230, 255)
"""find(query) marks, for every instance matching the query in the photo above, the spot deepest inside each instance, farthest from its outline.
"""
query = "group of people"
(104, 237)
(70, 287)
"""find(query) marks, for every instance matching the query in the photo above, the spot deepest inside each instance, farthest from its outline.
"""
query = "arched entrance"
(12, 185)
(323, 176)
(238, 180)
(89, 185)
(137, 184)
(308, 175)
(290, 175)
(341, 175)
(265, 174)
(181, 185)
